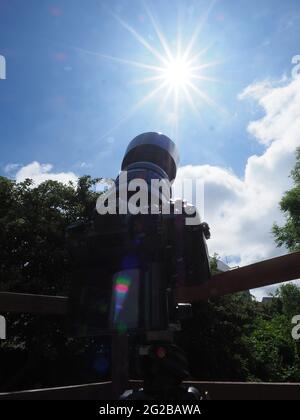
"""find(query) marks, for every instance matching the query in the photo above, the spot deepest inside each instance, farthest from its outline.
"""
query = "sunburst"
(175, 73)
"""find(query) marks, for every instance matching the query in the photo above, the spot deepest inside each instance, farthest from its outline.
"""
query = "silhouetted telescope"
(127, 266)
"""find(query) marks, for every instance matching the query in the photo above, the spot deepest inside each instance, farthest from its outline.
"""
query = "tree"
(289, 234)
(273, 354)
(289, 295)
(213, 337)
(34, 259)
(33, 222)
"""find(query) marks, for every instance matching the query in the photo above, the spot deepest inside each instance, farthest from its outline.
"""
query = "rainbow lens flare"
(122, 285)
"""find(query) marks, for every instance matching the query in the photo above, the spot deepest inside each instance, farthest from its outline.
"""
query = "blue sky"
(65, 104)
(58, 103)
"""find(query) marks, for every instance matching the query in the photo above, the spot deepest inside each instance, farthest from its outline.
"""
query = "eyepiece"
(152, 148)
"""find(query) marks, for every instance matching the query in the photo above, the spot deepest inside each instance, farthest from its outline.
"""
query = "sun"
(174, 76)
(177, 73)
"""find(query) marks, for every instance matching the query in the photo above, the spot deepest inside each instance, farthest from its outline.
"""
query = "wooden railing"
(264, 273)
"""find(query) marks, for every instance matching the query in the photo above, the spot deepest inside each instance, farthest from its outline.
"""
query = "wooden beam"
(95, 391)
(35, 304)
(265, 273)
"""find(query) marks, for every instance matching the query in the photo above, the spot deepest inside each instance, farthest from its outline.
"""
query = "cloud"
(42, 172)
(241, 211)
(11, 168)
(85, 165)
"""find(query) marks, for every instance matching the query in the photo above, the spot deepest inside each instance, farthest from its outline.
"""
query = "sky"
(81, 80)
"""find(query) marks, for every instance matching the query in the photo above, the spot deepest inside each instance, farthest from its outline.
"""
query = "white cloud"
(11, 168)
(241, 211)
(85, 165)
(42, 172)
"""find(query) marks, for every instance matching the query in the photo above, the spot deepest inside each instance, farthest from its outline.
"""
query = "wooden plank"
(35, 304)
(273, 271)
(96, 391)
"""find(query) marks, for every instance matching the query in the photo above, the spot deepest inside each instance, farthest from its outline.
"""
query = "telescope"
(136, 248)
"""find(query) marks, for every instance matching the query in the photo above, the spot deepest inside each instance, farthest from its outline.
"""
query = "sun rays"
(175, 75)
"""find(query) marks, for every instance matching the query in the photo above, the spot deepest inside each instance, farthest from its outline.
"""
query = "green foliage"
(214, 264)
(289, 295)
(289, 234)
(34, 259)
(273, 352)
(213, 337)
(235, 338)
(33, 220)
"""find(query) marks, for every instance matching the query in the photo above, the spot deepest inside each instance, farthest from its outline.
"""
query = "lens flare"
(122, 285)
